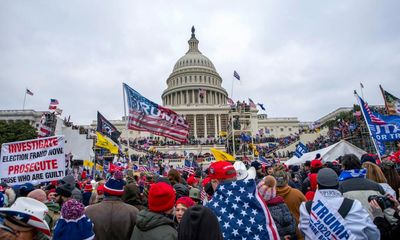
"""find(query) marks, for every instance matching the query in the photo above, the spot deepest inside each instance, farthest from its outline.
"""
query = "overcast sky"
(300, 58)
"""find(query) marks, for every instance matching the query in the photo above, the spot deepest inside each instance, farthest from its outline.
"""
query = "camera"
(383, 201)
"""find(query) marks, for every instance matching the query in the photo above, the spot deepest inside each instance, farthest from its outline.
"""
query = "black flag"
(106, 128)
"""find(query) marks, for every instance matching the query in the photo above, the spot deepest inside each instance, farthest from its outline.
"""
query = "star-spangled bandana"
(241, 212)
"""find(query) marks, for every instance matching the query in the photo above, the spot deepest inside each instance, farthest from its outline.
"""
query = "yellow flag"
(221, 156)
(99, 167)
(105, 143)
(87, 163)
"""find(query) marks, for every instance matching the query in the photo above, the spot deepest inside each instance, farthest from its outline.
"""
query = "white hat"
(29, 211)
(242, 172)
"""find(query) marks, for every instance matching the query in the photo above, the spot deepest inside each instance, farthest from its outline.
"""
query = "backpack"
(343, 210)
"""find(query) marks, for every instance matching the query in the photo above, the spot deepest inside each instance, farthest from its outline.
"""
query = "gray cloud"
(300, 59)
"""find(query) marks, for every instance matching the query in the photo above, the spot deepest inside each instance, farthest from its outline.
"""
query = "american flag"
(230, 102)
(241, 212)
(143, 169)
(252, 104)
(30, 220)
(371, 115)
(145, 115)
(236, 75)
(188, 167)
(53, 101)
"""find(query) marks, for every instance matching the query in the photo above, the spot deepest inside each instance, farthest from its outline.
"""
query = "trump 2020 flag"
(241, 212)
(145, 115)
(300, 150)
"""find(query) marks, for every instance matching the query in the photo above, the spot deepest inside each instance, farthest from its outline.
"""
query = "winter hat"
(194, 194)
(327, 178)
(73, 223)
(187, 201)
(100, 189)
(267, 188)
(192, 181)
(199, 223)
(115, 185)
(221, 170)
(161, 197)
(88, 187)
(205, 181)
(368, 158)
(38, 194)
(181, 190)
(64, 190)
(281, 178)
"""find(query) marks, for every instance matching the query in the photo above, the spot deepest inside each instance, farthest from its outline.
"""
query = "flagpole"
(366, 123)
(232, 88)
(123, 93)
(23, 105)
(362, 92)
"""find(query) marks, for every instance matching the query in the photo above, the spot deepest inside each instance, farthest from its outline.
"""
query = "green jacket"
(153, 226)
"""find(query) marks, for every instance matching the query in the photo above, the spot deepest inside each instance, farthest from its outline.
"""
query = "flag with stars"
(241, 212)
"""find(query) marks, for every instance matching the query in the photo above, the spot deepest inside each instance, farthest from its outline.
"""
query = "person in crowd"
(52, 216)
(112, 218)
(174, 177)
(388, 231)
(195, 195)
(355, 218)
(284, 221)
(132, 196)
(221, 171)
(73, 223)
(69, 182)
(88, 197)
(181, 190)
(51, 195)
(192, 182)
(258, 167)
(199, 223)
(181, 205)
(99, 192)
(63, 193)
(157, 222)
(293, 197)
(309, 185)
(375, 174)
(353, 181)
(25, 220)
(25, 189)
(303, 174)
(393, 179)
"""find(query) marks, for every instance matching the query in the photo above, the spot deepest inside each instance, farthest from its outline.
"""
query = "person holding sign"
(332, 216)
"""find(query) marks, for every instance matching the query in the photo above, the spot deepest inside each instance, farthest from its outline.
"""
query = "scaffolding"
(239, 127)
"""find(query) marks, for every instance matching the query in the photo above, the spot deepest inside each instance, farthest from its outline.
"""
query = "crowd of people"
(353, 198)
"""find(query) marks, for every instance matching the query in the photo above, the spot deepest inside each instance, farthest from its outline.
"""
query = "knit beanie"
(161, 197)
(73, 223)
(327, 178)
(38, 194)
(267, 188)
(187, 201)
(64, 190)
(115, 185)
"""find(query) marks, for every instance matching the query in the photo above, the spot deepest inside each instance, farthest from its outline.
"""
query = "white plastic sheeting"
(328, 154)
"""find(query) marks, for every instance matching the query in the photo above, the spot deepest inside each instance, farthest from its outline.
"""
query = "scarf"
(353, 173)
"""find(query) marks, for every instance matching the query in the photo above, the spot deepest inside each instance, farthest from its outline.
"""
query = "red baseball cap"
(316, 163)
(221, 170)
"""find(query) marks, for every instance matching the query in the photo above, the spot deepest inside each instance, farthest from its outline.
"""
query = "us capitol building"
(194, 90)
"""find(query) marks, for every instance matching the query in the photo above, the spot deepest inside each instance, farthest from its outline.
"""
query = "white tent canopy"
(328, 154)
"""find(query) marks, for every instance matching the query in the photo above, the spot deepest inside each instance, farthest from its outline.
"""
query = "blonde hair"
(374, 172)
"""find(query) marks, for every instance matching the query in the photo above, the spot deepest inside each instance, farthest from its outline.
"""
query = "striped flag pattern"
(29, 92)
(374, 119)
(236, 75)
(188, 167)
(145, 115)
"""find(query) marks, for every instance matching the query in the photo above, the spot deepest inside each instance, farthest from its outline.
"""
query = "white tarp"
(328, 154)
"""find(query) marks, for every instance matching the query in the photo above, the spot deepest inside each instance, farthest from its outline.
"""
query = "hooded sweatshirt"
(155, 226)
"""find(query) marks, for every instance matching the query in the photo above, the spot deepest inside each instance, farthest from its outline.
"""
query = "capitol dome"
(194, 80)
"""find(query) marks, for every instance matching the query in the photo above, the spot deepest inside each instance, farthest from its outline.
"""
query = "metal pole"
(23, 105)
(232, 88)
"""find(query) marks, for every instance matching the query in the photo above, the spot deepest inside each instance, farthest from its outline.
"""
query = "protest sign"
(40, 160)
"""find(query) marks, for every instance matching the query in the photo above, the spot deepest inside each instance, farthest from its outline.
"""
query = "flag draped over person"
(145, 115)
(106, 128)
(241, 212)
(392, 103)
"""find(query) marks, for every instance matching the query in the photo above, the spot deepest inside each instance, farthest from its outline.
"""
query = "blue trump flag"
(241, 212)
(300, 150)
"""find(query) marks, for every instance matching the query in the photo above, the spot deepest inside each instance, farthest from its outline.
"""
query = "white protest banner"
(40, 160)
(325, 222)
